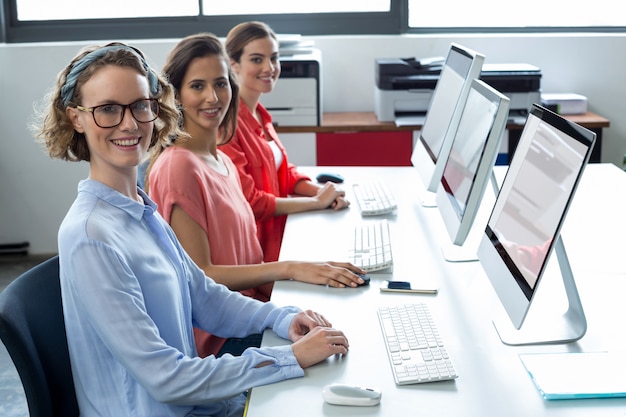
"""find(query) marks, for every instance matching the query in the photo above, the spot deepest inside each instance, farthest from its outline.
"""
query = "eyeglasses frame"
(124, 107)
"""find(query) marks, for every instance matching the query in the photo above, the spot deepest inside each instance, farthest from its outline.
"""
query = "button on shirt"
(131, 296)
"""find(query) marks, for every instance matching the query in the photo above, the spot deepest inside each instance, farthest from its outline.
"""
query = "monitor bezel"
(515, 295)
(460, 220)
(429, 162)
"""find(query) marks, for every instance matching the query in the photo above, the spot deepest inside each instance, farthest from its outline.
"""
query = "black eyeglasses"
(111, 115)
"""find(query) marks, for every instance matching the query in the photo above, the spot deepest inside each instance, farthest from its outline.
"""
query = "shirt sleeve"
(169, 187)
(112, 301)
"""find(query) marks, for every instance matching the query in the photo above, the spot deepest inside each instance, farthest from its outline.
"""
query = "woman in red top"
(267, 177)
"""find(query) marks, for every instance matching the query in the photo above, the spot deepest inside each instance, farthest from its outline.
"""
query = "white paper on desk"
(560, 376)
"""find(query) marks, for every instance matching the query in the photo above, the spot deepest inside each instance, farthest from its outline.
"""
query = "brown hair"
(244, 33)
(199, 46)
(176, 65)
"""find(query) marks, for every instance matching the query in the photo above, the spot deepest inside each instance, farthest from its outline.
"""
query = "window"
(45, 20)
(485, 14)
(58, 20)
(212, 7)
(32, 10)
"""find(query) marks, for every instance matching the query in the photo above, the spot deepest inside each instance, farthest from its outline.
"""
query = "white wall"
(35, 191)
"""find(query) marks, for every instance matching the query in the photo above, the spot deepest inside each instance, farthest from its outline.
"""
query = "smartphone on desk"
(405, 286)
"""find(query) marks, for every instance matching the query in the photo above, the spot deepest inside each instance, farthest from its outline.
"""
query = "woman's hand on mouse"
(333, 274)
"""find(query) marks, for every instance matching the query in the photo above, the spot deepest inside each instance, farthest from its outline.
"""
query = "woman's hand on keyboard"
(333, 274)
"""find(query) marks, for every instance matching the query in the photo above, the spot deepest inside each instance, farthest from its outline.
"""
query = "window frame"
(380, 23)
(394, 22)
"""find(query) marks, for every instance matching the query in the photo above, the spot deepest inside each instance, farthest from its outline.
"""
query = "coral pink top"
(216, 202)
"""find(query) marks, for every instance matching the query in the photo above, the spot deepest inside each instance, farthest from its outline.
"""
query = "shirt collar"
(249, 118)
(115, 198)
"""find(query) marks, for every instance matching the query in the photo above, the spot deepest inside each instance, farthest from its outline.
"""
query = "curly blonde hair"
(55, 129)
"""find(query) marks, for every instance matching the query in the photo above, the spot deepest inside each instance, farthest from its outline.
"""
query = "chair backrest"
(33, 330)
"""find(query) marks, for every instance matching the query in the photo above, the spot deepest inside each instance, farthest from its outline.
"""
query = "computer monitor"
(469, 168)
(462, 65)
(524, 229)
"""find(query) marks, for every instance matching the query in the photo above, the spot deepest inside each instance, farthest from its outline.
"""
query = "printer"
(296, 98)
(521, 83)
(404, 87)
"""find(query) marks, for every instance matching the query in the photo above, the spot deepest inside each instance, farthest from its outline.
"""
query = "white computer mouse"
(346, 394)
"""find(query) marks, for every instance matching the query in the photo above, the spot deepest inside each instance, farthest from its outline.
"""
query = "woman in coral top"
(198, 191)
(267, 177)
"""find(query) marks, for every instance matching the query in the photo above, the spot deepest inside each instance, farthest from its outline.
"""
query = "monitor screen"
(461, 67)
(531, 207)
(469, 165)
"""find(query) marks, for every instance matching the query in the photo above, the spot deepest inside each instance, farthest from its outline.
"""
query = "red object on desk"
(386, 148)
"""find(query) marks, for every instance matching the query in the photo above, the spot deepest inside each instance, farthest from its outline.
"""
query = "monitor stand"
(426, 168)
(468, 252)
(542, 325)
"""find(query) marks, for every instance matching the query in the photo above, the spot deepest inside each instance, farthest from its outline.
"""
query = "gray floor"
(12, 400)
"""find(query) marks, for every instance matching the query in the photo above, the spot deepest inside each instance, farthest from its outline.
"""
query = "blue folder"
(575, 375)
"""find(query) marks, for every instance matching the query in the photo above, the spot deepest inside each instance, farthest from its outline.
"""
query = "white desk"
(492, 380)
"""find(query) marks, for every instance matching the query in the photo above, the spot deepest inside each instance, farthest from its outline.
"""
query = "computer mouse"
(346, 394)
(366, 279)
(327, 176)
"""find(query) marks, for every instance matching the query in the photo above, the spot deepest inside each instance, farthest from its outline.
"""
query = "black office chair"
(33, 330)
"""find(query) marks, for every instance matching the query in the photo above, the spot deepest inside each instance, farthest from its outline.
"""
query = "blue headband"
(67, 91)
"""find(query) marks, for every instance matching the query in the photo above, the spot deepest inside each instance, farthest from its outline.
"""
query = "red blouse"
(260, 180)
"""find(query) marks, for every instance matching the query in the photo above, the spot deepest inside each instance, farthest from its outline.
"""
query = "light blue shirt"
(131, 296)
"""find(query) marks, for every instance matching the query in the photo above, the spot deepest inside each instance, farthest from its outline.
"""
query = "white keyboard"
(372, 246)
(374, 198)
(415, 349)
